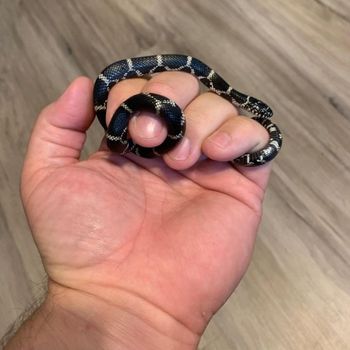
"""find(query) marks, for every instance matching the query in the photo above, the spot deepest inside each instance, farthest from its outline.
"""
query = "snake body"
(117, 131)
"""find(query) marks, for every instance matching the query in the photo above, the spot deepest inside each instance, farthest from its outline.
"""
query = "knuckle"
(161, 88)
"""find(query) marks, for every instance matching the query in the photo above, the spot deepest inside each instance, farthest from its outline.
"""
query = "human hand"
(167, 240)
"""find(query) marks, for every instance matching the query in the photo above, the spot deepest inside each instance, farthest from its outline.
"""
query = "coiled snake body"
(117, 131)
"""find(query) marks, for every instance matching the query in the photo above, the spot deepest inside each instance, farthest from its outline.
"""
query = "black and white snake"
(117, 131)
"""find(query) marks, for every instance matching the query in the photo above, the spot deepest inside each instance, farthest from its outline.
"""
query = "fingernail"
(146, 127)
(182, 151)
(221, 139)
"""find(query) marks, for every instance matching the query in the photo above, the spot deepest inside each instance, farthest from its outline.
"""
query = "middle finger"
(204, 115)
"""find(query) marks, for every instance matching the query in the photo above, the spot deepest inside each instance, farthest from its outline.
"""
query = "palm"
(127, 227)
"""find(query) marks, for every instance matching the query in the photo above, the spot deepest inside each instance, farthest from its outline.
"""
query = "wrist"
(71, 319)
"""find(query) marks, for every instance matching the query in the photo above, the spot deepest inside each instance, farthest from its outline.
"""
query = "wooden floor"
(293, 54)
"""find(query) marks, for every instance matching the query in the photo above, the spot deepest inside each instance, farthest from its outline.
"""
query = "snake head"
(259, 108)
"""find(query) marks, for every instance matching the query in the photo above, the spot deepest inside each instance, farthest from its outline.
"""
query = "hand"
(167, 240)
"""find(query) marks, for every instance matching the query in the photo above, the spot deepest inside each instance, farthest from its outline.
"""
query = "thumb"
(60, 130)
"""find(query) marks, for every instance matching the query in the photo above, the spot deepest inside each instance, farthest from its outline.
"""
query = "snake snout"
(260, 108)
(266, 112)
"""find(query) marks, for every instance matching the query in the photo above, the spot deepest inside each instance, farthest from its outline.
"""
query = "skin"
(139, 253)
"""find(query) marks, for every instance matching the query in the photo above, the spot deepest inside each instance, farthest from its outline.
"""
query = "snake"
(116, 133)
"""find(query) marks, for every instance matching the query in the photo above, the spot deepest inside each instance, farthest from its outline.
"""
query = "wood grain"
(296, 56)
